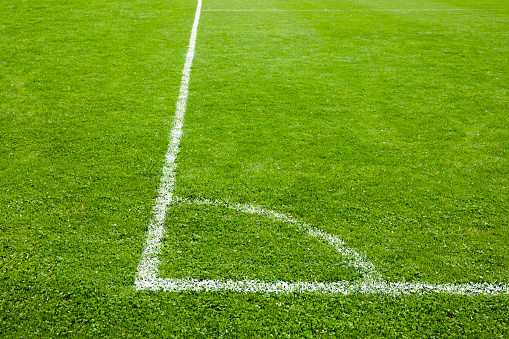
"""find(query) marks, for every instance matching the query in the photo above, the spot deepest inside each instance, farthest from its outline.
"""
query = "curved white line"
(371, 284)
(352, 258)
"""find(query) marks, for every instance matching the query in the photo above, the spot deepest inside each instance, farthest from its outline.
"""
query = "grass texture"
(381, 122)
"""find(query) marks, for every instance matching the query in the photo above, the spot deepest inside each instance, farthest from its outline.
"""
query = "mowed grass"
(87, 95)
(217, 243)
(386, 128)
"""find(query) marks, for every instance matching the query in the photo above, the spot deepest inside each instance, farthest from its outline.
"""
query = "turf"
(211, 243)
(381, 122)
(339, 121)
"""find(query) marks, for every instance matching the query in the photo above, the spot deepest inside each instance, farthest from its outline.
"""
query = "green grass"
(396, 140)
(388, 129)
(211, 243)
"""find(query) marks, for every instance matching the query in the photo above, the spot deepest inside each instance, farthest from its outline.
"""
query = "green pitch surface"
(382, 123)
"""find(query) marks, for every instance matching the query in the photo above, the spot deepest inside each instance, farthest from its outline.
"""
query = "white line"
(352, 258)
(147, 275)
(341, 287)
(148, 266)
(371, 283)
(355, 10)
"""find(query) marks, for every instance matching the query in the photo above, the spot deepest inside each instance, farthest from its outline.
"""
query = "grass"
(210, 243)
(386, 128)
(335, 131)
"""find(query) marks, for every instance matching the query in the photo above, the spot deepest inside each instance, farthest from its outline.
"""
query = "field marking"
(356, 10)
(147, 276)
(371, 282)
(351, 257)
(148, 266)
(148, 270)
(341, 287)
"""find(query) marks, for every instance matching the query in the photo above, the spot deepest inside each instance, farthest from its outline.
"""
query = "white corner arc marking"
(351, 257)
(371, 283)
(148, 266)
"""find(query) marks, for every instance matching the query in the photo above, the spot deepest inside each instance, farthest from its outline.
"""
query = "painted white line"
(341, 287)
(148, 266)
(357, 10)
(370, 284)
(351, 257)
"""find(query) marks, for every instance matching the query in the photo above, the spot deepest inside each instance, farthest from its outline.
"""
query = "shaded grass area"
(69, 309)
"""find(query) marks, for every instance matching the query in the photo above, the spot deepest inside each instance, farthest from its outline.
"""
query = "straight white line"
(148, 266)
(340, 287)
(355, 10)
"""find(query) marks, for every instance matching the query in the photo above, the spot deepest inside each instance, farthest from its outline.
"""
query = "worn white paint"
(340, 287)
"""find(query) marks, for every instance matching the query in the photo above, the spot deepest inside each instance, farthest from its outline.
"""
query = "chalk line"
(340, 287)
(150, 280)
(357, 10)
(147, 276)
(351, 257)
(148, 266)
(370, 283)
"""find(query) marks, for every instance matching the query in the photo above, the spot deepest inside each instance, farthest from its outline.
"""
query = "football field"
(254, 168)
